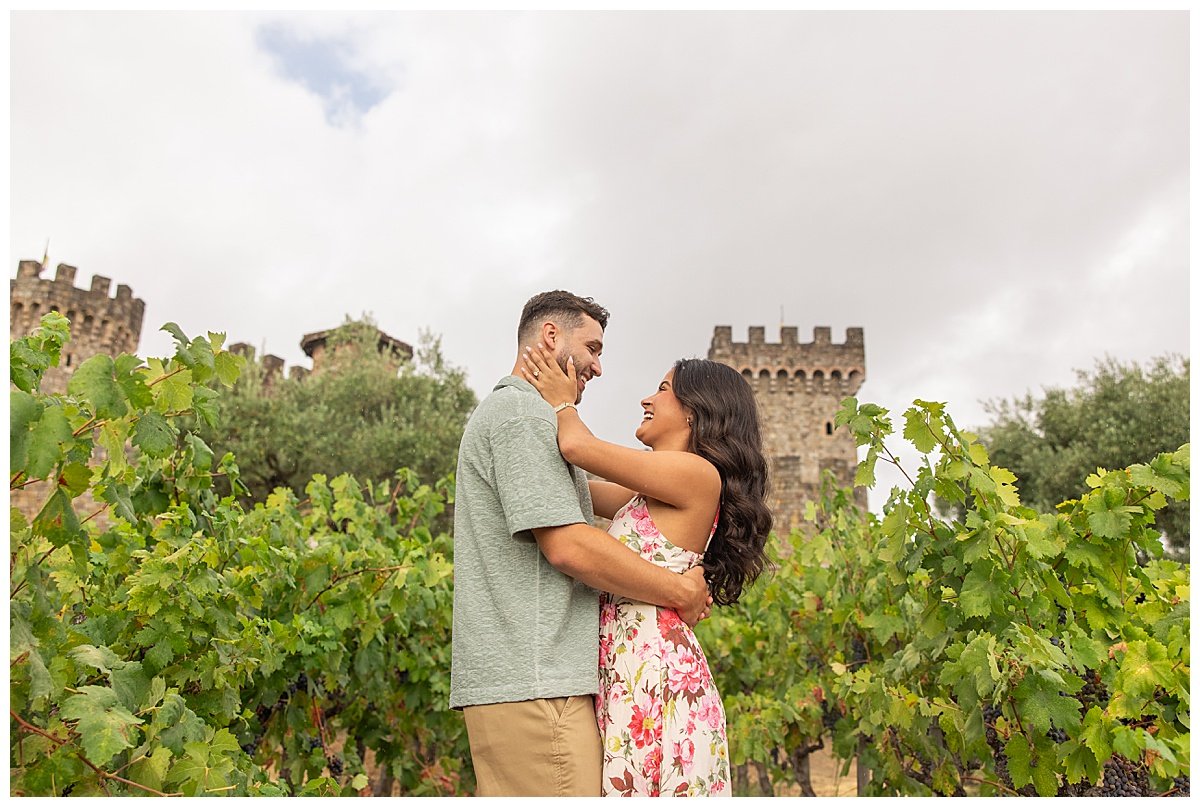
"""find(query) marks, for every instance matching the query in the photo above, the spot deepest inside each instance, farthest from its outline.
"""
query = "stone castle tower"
(99, 323)
(798, 388)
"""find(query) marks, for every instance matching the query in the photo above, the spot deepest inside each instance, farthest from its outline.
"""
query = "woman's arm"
(674, 477)
(608, 497)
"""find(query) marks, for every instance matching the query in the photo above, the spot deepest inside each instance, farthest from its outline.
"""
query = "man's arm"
(596, 558)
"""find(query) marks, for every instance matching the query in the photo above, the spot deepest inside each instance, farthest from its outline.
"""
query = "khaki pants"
(546, 747)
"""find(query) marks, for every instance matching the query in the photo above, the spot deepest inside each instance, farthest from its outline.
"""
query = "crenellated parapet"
(100, 322)
(790, 365)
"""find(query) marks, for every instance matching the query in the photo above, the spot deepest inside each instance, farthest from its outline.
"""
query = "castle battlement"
(822, 359)
(99, 323)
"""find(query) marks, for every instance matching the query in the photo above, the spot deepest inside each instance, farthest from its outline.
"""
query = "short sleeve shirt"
(522, 629)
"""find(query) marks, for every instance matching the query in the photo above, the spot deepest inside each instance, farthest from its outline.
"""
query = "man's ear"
(550, 335)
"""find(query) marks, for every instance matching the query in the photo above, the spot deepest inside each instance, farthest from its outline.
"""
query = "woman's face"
(664, 419)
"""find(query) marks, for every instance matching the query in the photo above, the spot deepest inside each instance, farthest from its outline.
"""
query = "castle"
(99, 323)
(798, 388)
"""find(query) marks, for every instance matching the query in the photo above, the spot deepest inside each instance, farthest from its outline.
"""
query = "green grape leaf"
(151, 770)
(1080, 763)
(920, 431)
(1039, 702)
(1019, 760)
(205, 766)
(229, 367)
(77, 477)
(202, 455)
(1097, 735)
(57, 520)
(93, 381)
(1145, 666)
(45, 442)
(130, 683)
(154, 435)
(1128, 742)
(117, 494)
(204, 404)
(21, 640)
(1045, 778)
(23, 411)
(1107, 517)
(174, 392)
(101, 658)
(132, 381)
(975, 598)
(175, 332)
(105, 726)
(1041, 538)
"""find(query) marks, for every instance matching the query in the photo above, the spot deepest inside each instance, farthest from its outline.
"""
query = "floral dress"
(661, 720)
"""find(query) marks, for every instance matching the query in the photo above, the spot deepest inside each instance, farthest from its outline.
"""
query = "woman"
(703, 484)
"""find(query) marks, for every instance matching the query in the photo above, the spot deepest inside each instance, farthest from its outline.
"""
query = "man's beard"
(562, 362)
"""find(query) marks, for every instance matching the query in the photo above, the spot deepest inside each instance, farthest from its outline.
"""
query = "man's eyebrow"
(596, 343)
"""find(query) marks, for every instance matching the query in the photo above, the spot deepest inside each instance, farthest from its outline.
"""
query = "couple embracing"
(540, 593)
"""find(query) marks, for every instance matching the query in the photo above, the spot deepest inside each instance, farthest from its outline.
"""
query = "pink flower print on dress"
(645, 725)
(686, 674)
(709, 711)
(685, 754)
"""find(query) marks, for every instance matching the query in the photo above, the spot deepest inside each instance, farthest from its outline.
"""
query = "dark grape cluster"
(858, 652)
(1057, 736)
(829, 716)
(1057, 642)
(1122, 778)
(314, 743)
(1181, 786)
(990, 715)
(298, 684)
(249, 747)
(335, 764)
(1093, 691)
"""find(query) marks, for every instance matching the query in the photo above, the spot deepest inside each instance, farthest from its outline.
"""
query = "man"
(527, 567)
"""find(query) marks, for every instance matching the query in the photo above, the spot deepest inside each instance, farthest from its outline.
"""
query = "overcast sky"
(996, 198)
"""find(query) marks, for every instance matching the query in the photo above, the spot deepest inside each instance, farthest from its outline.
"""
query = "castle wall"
(798, 387)
(99, 323)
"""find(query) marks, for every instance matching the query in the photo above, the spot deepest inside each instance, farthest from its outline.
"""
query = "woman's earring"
(689, 422)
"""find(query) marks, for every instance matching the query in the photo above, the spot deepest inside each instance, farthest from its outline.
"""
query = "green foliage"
(1116, 415)
(1008, 651)
(362, 417)
(197, 647)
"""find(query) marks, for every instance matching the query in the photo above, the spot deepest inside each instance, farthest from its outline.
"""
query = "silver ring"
(537, 373)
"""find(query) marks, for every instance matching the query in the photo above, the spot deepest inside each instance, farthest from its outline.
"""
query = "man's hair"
(567, 309)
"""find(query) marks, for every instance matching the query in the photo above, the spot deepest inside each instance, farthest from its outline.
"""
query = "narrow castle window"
(764, 373)
(781, 375)
(836, 375)
(68, 359)
(748, 373)
(828, 428)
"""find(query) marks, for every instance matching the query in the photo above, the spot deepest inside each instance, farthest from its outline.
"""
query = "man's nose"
(596, 369)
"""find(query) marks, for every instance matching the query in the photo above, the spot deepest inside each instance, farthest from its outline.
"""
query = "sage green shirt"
(522, 629)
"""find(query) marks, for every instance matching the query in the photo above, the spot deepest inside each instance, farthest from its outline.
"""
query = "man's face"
(585, 344)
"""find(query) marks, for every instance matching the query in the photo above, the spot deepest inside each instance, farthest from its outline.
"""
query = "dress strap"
(713, 531)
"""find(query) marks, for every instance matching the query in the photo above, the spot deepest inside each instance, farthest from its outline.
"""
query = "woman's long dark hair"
(725, 432)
